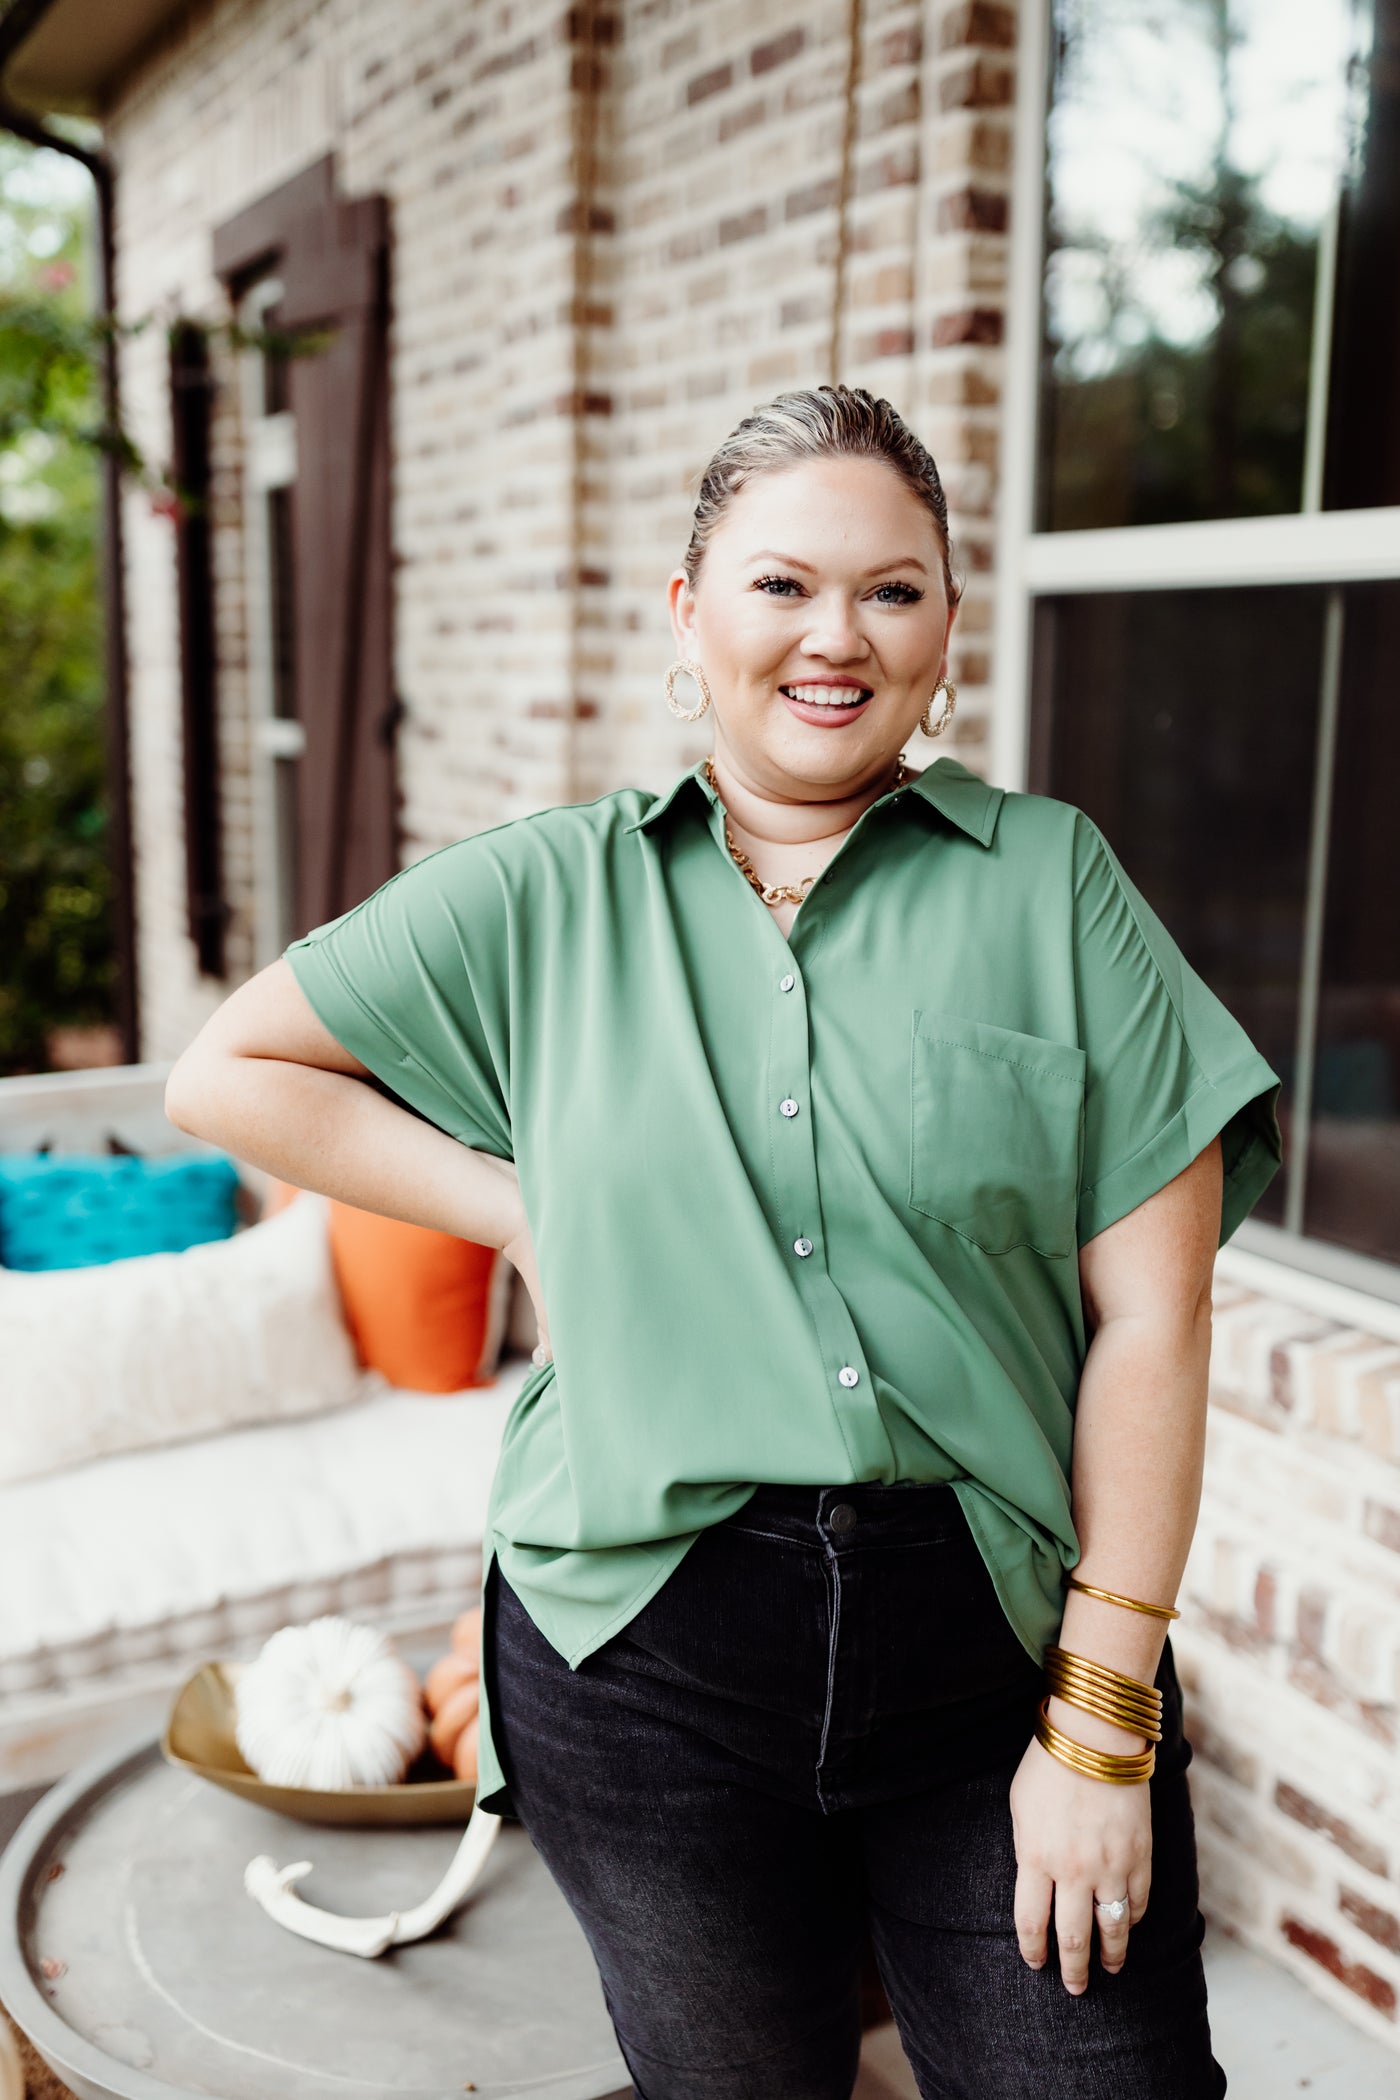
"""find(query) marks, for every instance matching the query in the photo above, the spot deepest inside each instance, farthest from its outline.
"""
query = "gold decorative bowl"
(199, 1737)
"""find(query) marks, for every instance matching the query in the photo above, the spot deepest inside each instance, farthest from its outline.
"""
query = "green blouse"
(806, 1209)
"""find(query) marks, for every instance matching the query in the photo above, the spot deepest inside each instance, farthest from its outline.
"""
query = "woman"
(865, 1143)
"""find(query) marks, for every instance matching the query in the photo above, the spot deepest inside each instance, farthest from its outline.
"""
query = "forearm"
(331, 1132)
(1139, 1444)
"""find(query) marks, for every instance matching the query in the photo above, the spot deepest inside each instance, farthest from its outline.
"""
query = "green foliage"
(56, 949)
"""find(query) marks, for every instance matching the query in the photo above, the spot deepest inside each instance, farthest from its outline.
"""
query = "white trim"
(1334, 546)
(1318, 1294)
(1314, 913)
(270, 442)
(1008, 756)
(1320, 355)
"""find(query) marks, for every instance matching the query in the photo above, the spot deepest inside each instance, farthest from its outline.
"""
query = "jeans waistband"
(870, 1512)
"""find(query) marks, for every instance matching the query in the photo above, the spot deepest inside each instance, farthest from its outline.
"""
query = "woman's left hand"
(1078, 1840)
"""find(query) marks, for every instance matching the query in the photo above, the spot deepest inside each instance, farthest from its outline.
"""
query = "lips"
(821, 697)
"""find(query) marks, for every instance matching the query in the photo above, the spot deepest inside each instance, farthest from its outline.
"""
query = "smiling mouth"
(838, 698)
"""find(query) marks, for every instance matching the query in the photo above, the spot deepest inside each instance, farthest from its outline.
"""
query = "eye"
(910, 597)
(783, 583)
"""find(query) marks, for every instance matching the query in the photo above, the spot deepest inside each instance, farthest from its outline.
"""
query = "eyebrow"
(905, 561)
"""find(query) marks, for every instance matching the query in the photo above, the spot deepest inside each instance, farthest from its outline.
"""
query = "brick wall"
(616, 228)
(1289, 1649)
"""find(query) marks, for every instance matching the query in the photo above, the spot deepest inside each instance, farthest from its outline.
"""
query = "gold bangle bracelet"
(1101, 1674)
(1105, 1710)
(1093, 1764)
(1117, 1695)
(1157, 1611)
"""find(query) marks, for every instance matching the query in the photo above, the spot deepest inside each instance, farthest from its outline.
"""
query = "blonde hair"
(821, 422)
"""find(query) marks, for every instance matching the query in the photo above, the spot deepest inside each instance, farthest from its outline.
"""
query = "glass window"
(1240, 750)
(1223, 192)
(1185, 724)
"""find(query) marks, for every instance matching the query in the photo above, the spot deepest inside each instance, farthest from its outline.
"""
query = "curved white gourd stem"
(11, 2071)
(271, 1886)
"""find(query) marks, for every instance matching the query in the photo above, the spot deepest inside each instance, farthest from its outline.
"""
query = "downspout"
(20, 21)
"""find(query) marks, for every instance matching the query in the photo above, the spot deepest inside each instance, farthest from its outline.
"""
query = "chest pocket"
(995, 1122)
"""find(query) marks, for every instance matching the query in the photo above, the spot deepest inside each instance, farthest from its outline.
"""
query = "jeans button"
(842, 1517)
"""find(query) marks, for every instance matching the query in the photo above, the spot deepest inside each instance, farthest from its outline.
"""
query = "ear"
(681, 602)
(947, 636)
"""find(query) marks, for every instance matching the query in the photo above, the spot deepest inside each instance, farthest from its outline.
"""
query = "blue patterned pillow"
(69, 1210)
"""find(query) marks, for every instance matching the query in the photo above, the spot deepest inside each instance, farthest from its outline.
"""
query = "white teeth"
(825, 695)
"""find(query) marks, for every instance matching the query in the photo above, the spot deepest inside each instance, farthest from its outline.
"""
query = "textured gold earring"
(950, 693)
(693, 670)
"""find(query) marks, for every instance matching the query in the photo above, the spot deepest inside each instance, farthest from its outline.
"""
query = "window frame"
(1309, 546)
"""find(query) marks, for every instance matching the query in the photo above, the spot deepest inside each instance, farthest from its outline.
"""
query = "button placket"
(796, 1205)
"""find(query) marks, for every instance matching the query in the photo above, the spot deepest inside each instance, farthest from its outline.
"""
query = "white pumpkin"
(330, 1704)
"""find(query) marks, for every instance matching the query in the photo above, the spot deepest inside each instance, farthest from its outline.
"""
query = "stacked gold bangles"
(1109, 1695)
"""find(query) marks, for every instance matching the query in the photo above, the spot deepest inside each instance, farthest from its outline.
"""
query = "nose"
(835, 633)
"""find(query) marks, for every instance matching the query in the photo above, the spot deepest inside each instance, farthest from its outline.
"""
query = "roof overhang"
(72, 54)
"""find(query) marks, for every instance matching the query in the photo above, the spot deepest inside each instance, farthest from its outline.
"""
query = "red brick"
(972, 324)
(818, 196)
(1312, 1621)
(1383, 1525)
(902, 47)
(978, 86)
(1313, 1816)
(899, 108)
(1266, 1602)
(885, 342)
(891, 171)
(1354, 1974)
(1382, 1925)
(972, 211)
(1309, 1674)
(736, 120)
(978, 22)
(777, 51)
(712, 83)
(743, 226)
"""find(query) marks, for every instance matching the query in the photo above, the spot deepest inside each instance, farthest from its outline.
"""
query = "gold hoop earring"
(950, 692)
(688, 665)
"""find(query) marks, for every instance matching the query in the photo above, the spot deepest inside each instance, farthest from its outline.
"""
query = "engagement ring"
(1115, 1910)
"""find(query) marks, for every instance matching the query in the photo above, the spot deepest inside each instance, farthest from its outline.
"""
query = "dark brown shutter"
(190, 407)
(331, 257)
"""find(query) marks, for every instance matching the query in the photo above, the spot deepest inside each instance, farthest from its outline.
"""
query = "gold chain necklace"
(780, 892)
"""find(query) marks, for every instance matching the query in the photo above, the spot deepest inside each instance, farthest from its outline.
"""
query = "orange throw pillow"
(426, 1309)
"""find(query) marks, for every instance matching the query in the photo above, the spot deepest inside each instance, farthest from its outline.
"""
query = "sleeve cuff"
(1240, 1106)
(356, 1030)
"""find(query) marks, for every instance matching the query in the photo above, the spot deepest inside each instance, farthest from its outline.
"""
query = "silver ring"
(1116, 1910)
(539, 1354)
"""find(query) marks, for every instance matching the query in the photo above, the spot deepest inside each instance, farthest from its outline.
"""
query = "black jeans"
(808, 1732)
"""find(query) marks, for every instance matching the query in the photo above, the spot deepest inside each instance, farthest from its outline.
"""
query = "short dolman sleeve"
(1168, 1065)
(415, 983)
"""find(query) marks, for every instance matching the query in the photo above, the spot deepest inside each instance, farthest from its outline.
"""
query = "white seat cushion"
(204, 1547)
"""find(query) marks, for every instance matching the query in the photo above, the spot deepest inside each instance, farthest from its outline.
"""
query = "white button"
(788, 1107)
(802, 1246)
(785, 984)
(849, 1375)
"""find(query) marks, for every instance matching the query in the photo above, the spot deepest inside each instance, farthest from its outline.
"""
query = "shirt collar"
(958, 794)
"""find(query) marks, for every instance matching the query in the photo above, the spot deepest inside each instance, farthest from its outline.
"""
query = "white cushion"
(202, 1546)
(165, 1346)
